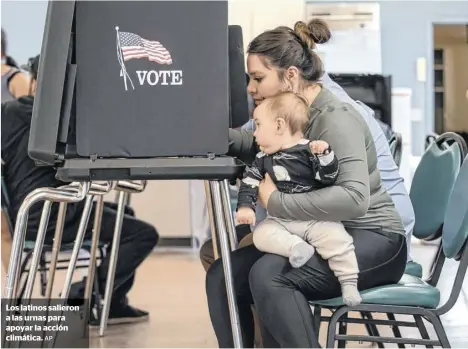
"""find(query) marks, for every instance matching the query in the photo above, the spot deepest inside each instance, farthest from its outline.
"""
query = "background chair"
(412, 296)
(432, 186)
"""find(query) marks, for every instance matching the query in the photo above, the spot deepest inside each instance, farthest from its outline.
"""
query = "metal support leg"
(124, 188)
(75, 254)
(56, 248)
(77, 246)
(36, 256)
(92, 258)
(209, 206)
(231, 228)
(41, 233)
(226, 259)
(113, 262)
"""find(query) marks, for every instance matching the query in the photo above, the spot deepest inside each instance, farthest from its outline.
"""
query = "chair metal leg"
(113, 262)
(209, 206)
(231, 228)
(439, 328)
(379, 308)
(226, 260)
(343, 329)
(372, 329)
(332, 330)
(422, 329)
(395, 329)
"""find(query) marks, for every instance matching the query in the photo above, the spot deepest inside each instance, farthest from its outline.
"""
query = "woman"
(282, 59)
(15, 84)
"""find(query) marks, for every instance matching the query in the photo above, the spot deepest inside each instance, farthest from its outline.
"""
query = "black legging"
(281, 293)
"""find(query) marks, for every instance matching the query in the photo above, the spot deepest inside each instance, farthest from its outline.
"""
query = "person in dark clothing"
(22, 176)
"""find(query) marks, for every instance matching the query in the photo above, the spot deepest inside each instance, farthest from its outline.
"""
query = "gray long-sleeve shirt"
(358, 198)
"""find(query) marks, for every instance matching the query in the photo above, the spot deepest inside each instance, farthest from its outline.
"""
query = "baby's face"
(266, 131)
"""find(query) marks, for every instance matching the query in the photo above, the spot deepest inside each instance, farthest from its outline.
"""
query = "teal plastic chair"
(432, 184)
(431, 188)
(412, 296)
(443, 155)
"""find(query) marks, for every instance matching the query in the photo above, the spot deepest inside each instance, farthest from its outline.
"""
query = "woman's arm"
(348, 198)
(242, 145)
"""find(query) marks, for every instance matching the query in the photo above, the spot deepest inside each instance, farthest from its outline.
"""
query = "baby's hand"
(319, 147)
(245, 215)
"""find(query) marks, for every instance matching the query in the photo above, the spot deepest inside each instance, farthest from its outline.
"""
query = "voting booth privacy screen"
(151, 80)
(136, 79)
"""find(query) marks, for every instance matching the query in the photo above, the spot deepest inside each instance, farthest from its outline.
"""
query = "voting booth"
(126, 82)
(132, 90)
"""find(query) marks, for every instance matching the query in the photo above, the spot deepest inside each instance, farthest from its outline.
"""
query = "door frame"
(430, 127)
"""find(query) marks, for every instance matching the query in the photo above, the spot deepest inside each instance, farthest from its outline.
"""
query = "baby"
(296, 165)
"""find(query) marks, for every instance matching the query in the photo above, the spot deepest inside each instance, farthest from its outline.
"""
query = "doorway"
(451, 78)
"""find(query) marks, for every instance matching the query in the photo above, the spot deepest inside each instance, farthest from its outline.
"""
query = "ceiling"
(450, 34)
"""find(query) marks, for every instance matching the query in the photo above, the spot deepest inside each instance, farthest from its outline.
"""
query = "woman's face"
(264, 81)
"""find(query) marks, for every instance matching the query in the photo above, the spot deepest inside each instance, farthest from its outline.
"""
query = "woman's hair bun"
(314, 32)
(319, 31)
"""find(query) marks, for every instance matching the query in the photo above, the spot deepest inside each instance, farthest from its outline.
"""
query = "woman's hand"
(266, 188)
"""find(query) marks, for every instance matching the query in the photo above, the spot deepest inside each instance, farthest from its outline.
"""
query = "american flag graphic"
(134, 46)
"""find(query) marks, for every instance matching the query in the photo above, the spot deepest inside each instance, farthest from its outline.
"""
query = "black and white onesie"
(298, 170)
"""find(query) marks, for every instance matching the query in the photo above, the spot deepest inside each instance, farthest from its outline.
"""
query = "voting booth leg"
(231, 228)
(123, 197)
(56, 248)
(77, 246)
(41, 194)
(92, 259)
(124, 188)
(39, 245)
(209, 206)
(216, 191)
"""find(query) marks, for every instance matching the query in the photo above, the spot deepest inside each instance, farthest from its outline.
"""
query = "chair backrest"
(455, 236)
(455, 230)
(396, 147)
(430, 138)
(451, 138)
(433, 182)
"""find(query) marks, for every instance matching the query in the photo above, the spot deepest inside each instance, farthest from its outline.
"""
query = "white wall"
(256, 16)
(24, 23)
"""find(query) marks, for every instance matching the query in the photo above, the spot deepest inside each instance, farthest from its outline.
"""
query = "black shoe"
(123, 314)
